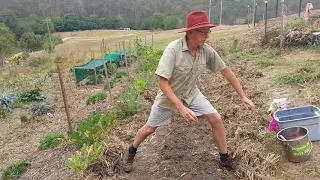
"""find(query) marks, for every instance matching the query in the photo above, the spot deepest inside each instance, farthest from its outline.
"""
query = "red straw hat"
(197, 19)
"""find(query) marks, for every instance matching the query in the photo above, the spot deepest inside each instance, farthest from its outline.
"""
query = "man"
(182, 62)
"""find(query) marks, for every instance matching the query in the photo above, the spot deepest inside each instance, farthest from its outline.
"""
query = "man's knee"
(149, 129)
(214, 118)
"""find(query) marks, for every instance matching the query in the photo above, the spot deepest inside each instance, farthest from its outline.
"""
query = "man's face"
(199, 36)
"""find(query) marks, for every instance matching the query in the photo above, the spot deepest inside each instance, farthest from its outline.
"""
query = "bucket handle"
(310, 146)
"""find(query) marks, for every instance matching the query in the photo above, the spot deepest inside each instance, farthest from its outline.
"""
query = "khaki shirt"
(182, 70)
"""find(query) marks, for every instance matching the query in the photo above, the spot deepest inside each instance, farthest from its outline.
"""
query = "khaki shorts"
(160, 116)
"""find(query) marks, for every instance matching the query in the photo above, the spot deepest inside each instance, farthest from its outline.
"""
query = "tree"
(21, 27)
(73, 22)
(30, 42)
(57, 23)
(171, 22)
(92, 22)
(156, 21)
(8, 42)
(8, 17)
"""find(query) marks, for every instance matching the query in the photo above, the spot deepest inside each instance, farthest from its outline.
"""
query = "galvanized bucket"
(296, 143)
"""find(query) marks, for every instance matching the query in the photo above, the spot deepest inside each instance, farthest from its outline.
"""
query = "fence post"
(95, 68)
(266, 18)
(255, 14)
(300, 8)
(282, 13)
(105, 69)
(65, 100)
(125, 57)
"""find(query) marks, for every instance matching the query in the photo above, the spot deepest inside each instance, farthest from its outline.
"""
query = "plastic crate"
(307, 116)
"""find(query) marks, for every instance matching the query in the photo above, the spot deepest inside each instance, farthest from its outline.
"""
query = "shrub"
(15, 170)
(51, 141)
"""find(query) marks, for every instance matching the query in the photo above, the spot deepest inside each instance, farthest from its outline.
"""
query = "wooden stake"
(65, 100)
(282, 13)
(125, 57)
(115, 72)
(95, 69)
(248, 17)
(152, 41)
(106, 71)
(266, 18)
(255, 14)
(145, 40)
(300, 7)
(120, 51)
(277, 8)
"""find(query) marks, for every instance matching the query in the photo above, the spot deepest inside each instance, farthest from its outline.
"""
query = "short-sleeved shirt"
(182, 70)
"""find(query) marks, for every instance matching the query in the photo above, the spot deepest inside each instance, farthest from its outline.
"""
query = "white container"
(307, 116)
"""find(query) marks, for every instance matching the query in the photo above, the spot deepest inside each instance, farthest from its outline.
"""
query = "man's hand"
(187, 114)
(247, 103)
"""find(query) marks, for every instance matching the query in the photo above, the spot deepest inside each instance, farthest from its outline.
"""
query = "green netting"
(85, 70)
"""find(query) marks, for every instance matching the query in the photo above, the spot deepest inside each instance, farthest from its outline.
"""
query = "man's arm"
(229, 75)
(185, 112)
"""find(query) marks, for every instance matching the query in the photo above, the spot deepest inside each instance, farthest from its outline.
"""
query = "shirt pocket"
(201, 68)
(180, 73)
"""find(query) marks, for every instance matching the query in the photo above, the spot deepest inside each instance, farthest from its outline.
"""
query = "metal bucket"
(296, 143)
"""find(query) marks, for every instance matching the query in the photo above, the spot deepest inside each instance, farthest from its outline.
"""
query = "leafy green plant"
(32, 95)
(15, 170)
(91, 129)
(140, 84)
(149, 58)
(112, 82)
(41, 109)
(121, 74)
(23, 118)
(51, 141)
(96, 98)
(91, 79)
(84, 157)
(112, 68)
(130, 102)
(8, 102)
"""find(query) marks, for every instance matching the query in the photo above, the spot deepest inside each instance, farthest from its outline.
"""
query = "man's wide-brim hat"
(197, 19)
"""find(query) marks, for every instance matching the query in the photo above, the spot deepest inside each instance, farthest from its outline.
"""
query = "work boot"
(229, 164)
(128, 160)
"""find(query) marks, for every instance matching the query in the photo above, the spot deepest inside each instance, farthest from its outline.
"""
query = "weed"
(15, 170)
(96, 98)
(51, 141)
(302, 76)
(23, 118)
